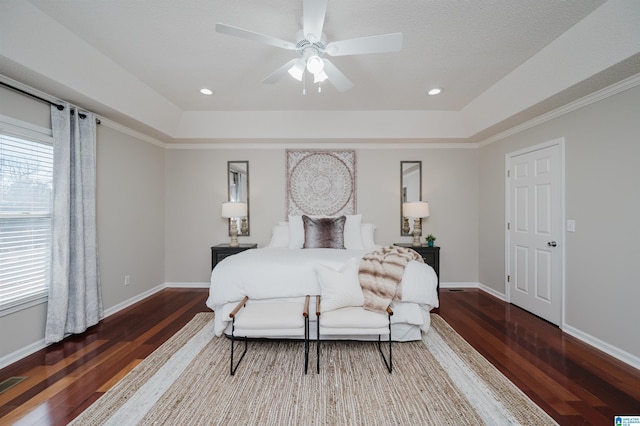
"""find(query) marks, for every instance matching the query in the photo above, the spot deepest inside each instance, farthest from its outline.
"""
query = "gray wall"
(197, 185)
(130, 214)
(602, 150)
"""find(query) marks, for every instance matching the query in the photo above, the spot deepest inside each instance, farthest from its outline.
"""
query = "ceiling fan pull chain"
(304, 84)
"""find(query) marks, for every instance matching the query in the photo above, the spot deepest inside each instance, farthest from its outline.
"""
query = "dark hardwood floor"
(67, 377)
(573, 382)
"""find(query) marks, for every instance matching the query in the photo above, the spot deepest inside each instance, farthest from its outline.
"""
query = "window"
(26, 173)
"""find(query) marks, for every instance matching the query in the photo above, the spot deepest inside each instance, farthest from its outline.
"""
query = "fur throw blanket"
(380, 275)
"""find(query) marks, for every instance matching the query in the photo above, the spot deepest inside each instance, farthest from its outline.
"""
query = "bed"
(288, 270)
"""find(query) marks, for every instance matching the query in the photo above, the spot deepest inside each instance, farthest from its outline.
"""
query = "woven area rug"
(439, 381)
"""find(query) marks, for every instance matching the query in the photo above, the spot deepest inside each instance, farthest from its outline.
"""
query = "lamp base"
(234, 233)
(417, 232)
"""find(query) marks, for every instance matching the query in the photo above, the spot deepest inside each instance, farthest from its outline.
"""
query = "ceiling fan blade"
(253, 36)
(275, 76)
(313, 19)
(372, 44)
(339, 80)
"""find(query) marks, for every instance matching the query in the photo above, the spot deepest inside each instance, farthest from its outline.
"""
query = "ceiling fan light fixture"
(319, 77)
(297, 70)
(434, 91)
(315, 64)
(311, 44)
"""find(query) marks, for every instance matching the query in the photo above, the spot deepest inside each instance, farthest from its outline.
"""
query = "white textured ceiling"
(171, 49)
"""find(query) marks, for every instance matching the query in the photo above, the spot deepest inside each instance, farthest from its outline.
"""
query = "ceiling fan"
(311, 45)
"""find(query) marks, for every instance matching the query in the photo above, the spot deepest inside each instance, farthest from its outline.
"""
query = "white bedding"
(275, 273)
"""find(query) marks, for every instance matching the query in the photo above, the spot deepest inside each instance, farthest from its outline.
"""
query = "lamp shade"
(233, 209)
(417, 209)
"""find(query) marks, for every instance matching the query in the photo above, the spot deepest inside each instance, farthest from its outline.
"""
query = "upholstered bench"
(354, 320)
(265, 319)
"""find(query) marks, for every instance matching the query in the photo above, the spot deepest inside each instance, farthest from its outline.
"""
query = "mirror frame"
(403, 193)
(229, 172)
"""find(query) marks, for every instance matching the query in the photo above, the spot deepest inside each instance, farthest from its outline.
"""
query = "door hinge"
(508, 173)
(508, 278)
(508, 225)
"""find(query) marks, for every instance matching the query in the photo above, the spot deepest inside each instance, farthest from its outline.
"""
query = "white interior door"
(535, 231)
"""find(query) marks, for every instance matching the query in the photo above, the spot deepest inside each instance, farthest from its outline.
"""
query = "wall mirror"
(410, 190)
(238, 187)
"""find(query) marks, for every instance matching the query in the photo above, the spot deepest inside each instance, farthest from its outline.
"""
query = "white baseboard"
(22, 353)
(605, 347)
(40, 344)
(452, 284)
(493, 292)
(135, 299)
(471, 284)
(188, 285)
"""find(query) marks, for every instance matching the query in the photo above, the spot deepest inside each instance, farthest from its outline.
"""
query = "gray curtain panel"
(75, 299)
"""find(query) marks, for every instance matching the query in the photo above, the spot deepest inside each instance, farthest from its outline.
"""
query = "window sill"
(19, 305)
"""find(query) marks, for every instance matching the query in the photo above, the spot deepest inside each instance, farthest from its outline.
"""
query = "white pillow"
(279, 236)
(296, 232)
(340, 288)
(368, 240)
(352, 234)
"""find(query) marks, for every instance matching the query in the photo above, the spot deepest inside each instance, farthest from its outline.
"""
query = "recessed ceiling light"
(206, 91)
(434, 91)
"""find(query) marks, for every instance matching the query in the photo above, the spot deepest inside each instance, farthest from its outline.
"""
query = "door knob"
(552, 244)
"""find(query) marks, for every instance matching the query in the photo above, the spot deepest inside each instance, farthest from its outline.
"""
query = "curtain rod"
(31, 95)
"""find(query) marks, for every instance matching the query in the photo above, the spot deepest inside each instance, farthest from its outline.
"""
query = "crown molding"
(592, 98)
(133, 133)
(321, 145)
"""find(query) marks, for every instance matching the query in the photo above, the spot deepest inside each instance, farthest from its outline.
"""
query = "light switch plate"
(571, 225)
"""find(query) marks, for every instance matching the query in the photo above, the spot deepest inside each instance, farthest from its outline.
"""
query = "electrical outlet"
(127, 279)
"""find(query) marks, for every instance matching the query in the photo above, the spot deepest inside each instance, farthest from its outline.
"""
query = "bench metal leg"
(318, 347)
(232, 367)
(306, 344)
(388, 364)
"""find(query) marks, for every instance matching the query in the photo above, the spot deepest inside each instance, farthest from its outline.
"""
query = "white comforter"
(272, 273)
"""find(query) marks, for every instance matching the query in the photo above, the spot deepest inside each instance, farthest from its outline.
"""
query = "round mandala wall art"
(321, 182)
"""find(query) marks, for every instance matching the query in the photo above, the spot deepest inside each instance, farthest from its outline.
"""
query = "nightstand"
(431, 256)
(221, 251)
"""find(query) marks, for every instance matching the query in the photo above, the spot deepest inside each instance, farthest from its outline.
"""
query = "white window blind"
(26, 173)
